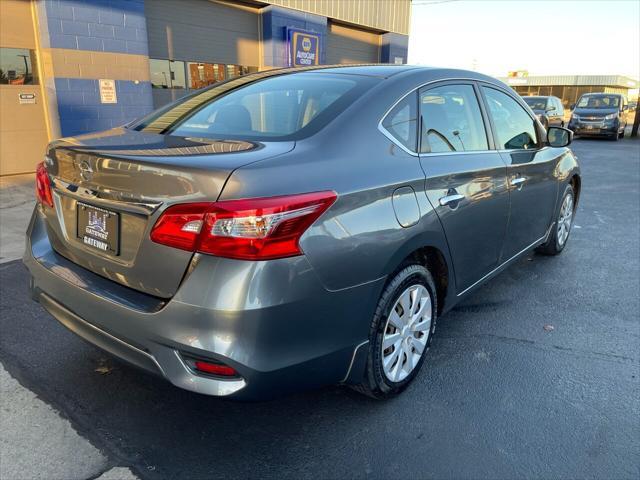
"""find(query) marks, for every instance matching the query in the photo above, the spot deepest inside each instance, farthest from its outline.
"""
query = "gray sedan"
(296, 228)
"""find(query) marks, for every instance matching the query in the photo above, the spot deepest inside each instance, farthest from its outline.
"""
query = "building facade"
(74, 66)
(569, 88)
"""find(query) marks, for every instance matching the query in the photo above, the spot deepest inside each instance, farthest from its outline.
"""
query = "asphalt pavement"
(536, 375)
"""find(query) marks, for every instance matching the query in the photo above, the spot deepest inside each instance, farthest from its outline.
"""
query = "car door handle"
(518, 181)
(451, 199)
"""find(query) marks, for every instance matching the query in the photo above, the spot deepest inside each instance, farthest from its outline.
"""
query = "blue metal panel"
(394, 45)
(80, 109)
(117, 26)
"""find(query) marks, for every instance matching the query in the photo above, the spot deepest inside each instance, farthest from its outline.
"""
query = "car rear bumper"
(273, 322)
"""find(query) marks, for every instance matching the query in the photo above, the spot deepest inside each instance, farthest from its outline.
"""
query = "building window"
(237, 70)
(204, 74)
(174, 74)
(18, 67)
(167, 74)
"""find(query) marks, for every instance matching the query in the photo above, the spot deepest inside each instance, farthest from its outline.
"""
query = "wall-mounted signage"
(304, 48)
(26, 98)
(108, 91)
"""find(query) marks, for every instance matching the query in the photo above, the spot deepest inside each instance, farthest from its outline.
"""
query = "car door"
(465, 178)
(552, 111)
(560, 112)
(530, 170)
(624, 111)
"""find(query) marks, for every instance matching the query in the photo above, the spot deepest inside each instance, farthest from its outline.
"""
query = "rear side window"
(451, 120)
(401, 121)
(514, 127)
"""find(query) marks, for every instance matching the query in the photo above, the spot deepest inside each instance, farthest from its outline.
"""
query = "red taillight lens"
(43, 186)
(214, 369)
(250, 229)
(179, 226)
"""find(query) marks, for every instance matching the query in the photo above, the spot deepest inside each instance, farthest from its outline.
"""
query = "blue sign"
(304, 48)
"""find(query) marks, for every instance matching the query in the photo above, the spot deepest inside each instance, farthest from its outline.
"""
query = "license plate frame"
(98, 228)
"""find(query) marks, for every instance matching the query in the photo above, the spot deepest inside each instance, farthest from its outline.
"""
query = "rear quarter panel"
(359, 239)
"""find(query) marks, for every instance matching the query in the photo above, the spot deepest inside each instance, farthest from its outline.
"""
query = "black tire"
(375, 383)
(621, 134)
(553, 246)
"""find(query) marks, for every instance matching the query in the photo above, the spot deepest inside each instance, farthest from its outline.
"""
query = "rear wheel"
(562, 228)
(400, 333)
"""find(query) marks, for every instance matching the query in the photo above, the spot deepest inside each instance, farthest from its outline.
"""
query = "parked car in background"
(549, 110)
(296, 228)
(600, 115)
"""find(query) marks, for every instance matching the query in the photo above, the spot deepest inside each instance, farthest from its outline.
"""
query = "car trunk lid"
(110, 188)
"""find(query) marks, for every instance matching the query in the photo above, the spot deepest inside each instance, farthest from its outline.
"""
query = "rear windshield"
(279, 107)
(536, 103)
(599, 101)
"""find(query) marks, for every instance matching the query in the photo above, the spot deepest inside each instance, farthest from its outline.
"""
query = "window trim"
(390, 135)
(450, 80)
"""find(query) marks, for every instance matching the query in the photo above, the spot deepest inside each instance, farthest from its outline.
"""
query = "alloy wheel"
(406, 333)
(564, 219)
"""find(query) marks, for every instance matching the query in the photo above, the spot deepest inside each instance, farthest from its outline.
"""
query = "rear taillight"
(249, 229)
(43, 186)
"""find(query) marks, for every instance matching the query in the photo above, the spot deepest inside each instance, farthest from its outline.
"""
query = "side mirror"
(559, 137)
(625, 108)
(572, 106)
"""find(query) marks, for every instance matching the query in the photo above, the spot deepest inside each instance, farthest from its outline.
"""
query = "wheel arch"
(576, 183)
(436, 260)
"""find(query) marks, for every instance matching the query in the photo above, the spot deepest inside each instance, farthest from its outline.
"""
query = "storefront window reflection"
(167, 74)
(205, 74)
(18, 67)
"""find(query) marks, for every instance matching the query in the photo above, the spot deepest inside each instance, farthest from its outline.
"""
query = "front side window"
(400, 122)
(17, 67)
(451, 120)
(167, 73)
(276, 107)
(514, 127)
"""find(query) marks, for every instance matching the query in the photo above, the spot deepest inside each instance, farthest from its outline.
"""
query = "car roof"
(371, 70)
(388, 70)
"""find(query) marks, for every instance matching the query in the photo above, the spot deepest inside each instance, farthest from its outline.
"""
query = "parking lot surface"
(536, 375)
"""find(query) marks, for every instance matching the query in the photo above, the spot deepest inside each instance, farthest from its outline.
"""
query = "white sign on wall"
(26, 98)
(108, 91)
